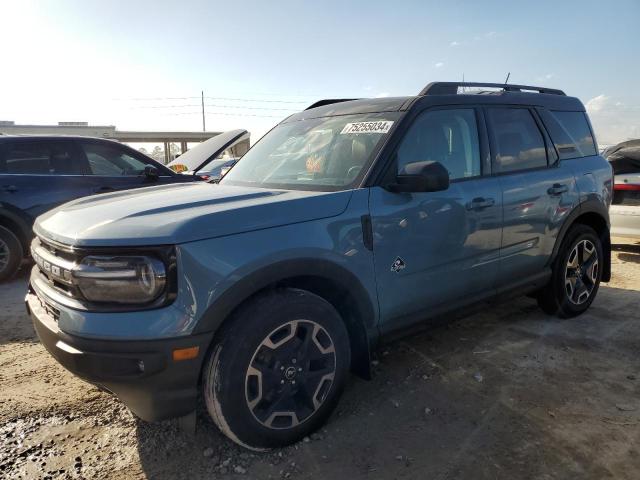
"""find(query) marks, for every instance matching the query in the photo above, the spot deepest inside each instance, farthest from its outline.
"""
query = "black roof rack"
(329, 101)
(451, 88)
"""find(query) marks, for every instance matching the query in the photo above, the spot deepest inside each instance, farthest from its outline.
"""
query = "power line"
(218, 106)
(255, 100)
(225, 114)
(231, 99)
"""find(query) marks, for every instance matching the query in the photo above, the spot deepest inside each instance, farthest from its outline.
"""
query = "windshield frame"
(395, 116)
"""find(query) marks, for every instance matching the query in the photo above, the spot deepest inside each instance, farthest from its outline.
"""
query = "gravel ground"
(506, 393)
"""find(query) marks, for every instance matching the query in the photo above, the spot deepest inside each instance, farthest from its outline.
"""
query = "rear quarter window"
(570, 133)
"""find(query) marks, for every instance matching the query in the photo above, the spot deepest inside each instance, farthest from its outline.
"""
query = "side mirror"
(151, 172)
(426, 176)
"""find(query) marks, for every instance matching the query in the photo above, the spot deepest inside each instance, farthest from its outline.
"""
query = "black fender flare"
(362, 327)
(588, 206)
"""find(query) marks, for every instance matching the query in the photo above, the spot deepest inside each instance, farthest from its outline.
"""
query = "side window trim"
(484, 151)
(550, 147)
(486, 165)
(494, 148)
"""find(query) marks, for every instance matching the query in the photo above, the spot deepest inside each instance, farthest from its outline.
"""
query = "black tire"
(562, 298)
(276, 369)
(10, 254)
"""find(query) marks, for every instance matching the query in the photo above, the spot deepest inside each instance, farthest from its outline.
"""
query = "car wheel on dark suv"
(10, 254)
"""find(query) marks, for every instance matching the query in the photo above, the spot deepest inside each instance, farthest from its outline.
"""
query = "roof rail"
(451, 88)
(329, 101)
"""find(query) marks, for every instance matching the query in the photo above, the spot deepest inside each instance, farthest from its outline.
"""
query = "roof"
(20, 137)
(363, 105)
(440, 93)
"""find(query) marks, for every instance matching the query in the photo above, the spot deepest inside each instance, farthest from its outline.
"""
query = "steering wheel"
(353, 171)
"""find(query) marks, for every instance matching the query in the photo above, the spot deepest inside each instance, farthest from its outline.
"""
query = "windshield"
(326, 153)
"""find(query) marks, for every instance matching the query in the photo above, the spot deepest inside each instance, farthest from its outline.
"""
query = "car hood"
(179, 213)
(197, 157)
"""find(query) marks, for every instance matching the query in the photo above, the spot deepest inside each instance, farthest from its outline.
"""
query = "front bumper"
(141, 373)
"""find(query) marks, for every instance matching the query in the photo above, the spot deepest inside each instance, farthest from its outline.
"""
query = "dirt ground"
(507, 393)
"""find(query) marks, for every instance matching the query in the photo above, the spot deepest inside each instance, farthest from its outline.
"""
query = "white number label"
(367, 127)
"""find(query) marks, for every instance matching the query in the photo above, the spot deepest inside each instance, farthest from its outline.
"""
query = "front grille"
(55, 263)
(51, 310)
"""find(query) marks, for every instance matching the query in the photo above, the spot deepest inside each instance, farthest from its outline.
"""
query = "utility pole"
(203, 124)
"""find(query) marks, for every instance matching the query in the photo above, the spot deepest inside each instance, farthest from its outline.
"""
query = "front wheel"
(576, 274)
(277, 369)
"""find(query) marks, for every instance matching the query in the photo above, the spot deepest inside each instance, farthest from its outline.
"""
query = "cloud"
(382, 94)
(546, 77)
(454, 44)
(613, 121)
(597, 104)
(439, 65)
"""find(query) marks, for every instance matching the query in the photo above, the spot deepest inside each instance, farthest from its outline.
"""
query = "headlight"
(120, 279)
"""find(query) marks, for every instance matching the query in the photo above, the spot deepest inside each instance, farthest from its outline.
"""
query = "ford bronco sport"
(346, 222)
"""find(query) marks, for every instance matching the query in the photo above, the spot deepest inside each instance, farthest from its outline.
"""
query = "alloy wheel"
(290, 374)
(581, 273)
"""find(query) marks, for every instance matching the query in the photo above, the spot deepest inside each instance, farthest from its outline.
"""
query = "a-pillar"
(166, 152)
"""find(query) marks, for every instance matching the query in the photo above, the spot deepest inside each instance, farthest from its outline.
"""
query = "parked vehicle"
(625, 208)
(38, 173)
(211, 159)
(347, 222)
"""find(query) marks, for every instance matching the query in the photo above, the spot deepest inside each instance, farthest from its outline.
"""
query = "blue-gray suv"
(348, 221)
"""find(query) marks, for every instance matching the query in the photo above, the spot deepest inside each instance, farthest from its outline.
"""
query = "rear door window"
(40, 158)
(518, 142)
(570, 132)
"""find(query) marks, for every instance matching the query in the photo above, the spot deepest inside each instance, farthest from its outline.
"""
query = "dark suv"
(38, 173)
(346, 222)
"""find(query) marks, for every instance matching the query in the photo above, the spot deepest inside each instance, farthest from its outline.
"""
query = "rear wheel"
(277, 369)
(576, 274)
(10, 254)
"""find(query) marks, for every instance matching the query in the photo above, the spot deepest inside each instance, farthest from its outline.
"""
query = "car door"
(433, 250)
(538, 192)
(111, 166)
(38, 175)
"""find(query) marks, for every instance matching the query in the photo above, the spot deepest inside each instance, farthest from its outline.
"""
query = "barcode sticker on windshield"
(367, 127)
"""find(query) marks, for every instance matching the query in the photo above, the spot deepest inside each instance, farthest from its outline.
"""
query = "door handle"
(103, 189)
(10, 188)
(557, 189)
(480, 203)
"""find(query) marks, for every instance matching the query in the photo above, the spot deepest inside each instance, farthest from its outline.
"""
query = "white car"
(213, 158)
(625, 208)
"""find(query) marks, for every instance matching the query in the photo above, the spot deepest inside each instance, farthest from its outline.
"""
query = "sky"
(143, 64)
